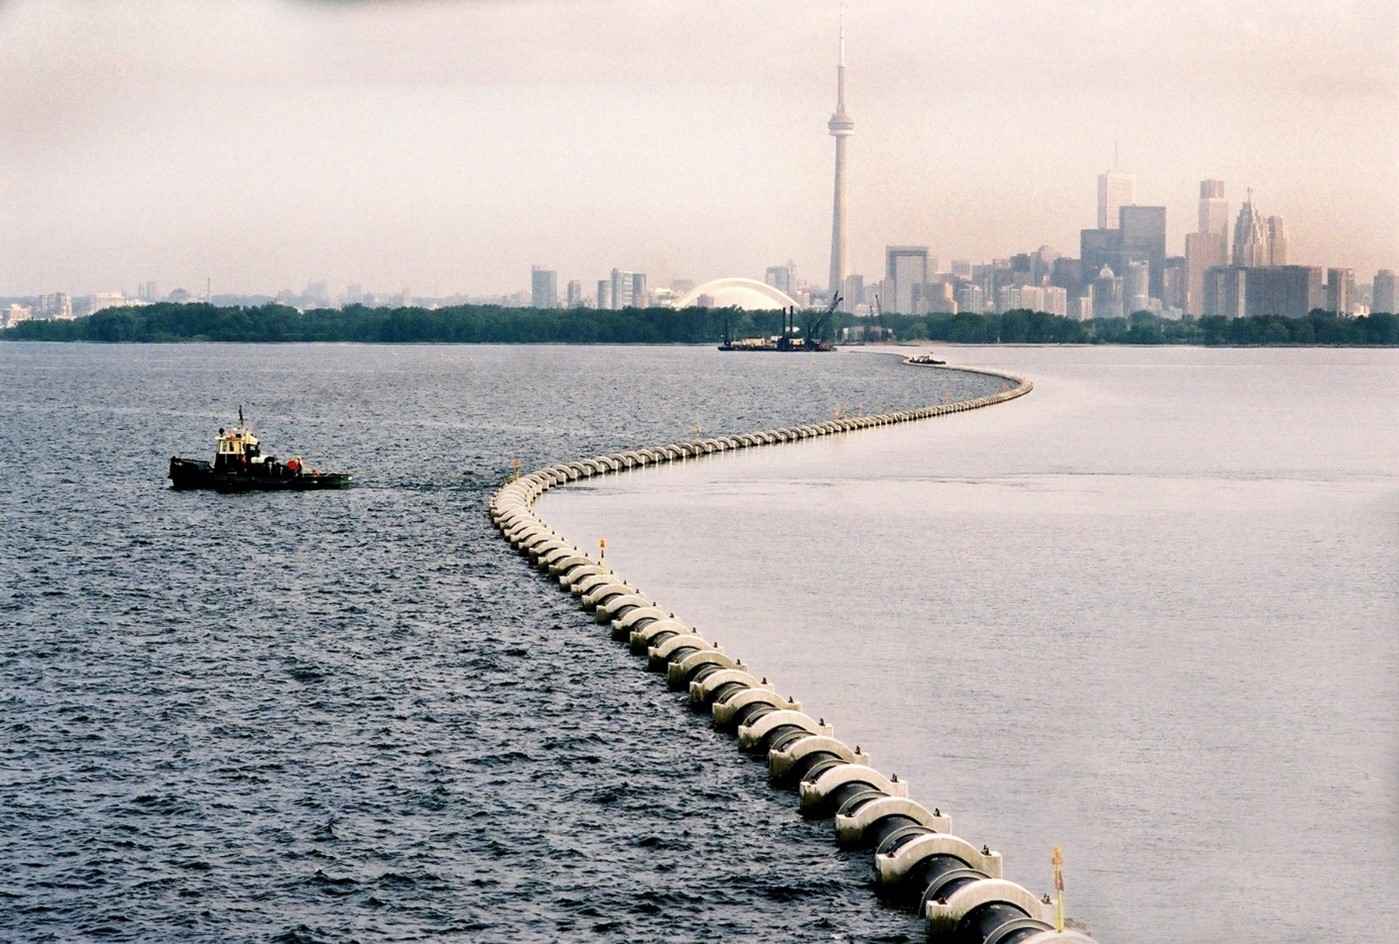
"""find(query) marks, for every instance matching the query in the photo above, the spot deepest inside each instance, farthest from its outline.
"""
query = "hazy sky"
(447, 146)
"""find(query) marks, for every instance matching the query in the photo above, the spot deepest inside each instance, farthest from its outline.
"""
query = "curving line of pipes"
(919, 864)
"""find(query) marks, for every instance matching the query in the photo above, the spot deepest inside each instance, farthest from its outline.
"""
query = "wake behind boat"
(240, 466)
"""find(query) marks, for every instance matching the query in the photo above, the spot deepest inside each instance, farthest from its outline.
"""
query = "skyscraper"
(1115, 190)
(1277, 241)
(1250, 236)
(1142, 235)
(575, 293)
(970, 297)
(906, 271)
(622, 288)
(780, 277)
(1214, 209)
(841, 126)
(1340, 291)
(1208, 247)
(853, 292)
(1098, 248)
(1135, 287)
(1106, 293)
(1383, 292)
(543, 287)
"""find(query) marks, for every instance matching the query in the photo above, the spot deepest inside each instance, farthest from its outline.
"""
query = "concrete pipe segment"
(919, 864)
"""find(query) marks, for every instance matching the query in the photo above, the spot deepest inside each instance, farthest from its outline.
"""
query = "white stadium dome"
(748, 294)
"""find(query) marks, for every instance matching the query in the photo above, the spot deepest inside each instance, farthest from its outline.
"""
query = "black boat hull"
(190, 474)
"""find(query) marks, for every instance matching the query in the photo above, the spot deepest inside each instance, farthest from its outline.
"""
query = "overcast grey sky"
(447, 146)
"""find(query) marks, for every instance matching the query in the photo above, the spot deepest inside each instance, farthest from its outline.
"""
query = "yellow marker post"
(602, 552)
(1057, 860)
(515, 468)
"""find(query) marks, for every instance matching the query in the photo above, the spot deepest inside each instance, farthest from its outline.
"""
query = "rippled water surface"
(1147, 613)
(358, 715)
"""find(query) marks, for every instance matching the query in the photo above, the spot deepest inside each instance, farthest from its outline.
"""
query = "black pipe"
(788, 738)
(899, 836)
(749, 713)
(682, 683)
(722, 692)
(658, 664)
(843, 794)
(639, 647)
(878, 831)
(940, 870)
(623, 633)
(816, 761)
(996, 920)
(766, 742)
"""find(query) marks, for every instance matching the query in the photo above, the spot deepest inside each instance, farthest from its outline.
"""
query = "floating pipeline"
(919, 864)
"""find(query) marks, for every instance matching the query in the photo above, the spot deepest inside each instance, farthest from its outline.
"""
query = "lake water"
(1146, 613)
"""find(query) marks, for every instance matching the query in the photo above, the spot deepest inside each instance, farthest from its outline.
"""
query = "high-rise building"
(543, 287)
(622, 288)
(1248, 291)
(1056, 301)
(604, 294)
(354, 295)
(906, 269)
(1136, 281)
(1203, 251)
(780, 277)
(639, 296)
(1115, 190)
(853, 292)
(1225, 291)
(1028, 297)
(841, 126)
(1214, 209)
(1250, 236)
(970, 298)
(1277, 242)
(1287, 290)
(1042, 264)
(1173, 285)
(940, 297)
(1067, 273)
(575, 294)
(57, 305)
(1340, 291)
(1142, 231)
(1107, 295)
(1208, 246)
(1098, 248)
(1382, 295)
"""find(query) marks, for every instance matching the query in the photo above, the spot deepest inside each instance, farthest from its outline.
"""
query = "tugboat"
(240, 466)
(926, 359)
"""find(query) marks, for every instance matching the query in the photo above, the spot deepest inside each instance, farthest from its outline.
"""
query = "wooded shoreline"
(169, 322)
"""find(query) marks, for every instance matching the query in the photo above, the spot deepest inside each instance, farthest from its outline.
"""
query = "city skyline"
(449, 147)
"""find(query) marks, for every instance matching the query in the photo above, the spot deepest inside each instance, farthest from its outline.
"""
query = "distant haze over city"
(450, 146)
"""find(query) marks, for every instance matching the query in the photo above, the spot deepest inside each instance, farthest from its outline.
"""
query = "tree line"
(494, 324)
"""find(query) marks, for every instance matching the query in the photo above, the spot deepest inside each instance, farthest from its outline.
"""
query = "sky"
(448, 146)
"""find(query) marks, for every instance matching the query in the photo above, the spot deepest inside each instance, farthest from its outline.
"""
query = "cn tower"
(842, 126)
